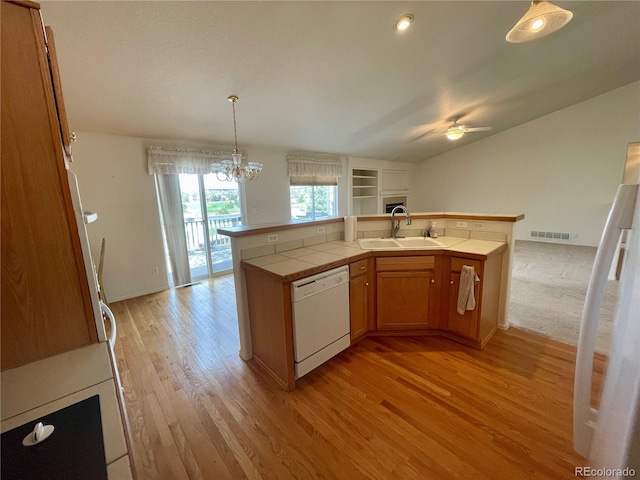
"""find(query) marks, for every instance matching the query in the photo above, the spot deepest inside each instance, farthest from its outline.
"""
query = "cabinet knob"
(366, 284)
(362, 268)
(451, 282)
(433, 280)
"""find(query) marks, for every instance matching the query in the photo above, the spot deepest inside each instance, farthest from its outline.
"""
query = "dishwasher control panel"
(314, 284)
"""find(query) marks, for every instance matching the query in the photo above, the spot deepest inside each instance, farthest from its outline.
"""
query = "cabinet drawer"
(457, 263)
(358, 268)
(405, 264)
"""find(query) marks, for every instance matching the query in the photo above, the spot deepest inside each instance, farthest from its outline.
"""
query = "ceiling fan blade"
(477, 129)
(422, 135)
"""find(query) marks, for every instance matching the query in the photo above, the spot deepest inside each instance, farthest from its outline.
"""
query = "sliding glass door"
(208, 205)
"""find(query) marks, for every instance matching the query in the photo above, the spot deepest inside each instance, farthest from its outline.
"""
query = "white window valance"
(170, 160)
(309, 166)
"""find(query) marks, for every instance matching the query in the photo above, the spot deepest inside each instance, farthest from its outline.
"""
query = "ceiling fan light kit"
(541, 19)
(457, 131)
(454, 133)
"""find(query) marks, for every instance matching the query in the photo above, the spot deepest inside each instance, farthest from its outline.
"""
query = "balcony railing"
(194, 231)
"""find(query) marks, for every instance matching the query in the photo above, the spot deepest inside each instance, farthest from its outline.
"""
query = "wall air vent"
(551, 235)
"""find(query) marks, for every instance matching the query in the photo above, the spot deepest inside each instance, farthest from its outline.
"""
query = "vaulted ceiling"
(331, 76)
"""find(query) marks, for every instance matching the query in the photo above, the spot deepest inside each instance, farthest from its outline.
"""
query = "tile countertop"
(301, 262)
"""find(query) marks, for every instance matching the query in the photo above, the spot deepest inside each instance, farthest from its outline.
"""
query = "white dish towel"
(466, 297)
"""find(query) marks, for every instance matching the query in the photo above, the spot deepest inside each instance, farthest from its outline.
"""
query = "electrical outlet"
(320, 230)
(154, 271)
(574, 236)
(255, 210)
(478, 225)
(461, 224)
(272, 238)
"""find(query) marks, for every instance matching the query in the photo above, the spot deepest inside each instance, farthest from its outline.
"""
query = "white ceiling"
(330, 76)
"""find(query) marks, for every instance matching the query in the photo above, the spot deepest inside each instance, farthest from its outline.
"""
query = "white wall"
(114, 183)
(560, 170)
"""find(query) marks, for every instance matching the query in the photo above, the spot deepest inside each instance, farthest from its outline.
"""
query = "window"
(313, 201)
(313, 186)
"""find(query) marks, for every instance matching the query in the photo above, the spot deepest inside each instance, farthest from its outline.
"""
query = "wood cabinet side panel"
(492, 273)
(271, 329)
(65, 135)
(46, 306)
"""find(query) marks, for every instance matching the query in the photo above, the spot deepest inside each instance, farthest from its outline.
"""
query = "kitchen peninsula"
(394, 291)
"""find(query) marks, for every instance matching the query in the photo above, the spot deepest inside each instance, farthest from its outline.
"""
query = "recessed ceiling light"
(403, 22)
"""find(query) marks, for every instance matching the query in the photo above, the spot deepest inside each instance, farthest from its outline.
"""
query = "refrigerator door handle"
(584, 416)
(109, 314)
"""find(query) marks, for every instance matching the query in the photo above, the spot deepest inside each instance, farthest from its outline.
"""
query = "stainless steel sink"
(420, 243)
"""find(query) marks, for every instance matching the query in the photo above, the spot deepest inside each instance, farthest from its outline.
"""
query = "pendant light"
(541, 19)
(236, 170)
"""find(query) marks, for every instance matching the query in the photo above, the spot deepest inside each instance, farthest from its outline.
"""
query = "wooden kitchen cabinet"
(479, 324)
(360, 295)
(463, 325)
(407, 293)
(45, 296)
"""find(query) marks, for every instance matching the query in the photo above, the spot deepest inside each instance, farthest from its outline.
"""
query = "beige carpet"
(548, 288)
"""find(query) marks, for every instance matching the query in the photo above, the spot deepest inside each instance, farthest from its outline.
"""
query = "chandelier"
(235, 170)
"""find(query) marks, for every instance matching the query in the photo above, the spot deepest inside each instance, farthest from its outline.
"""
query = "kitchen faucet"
(396, 227)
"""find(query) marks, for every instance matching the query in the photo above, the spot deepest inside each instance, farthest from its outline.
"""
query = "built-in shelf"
(364, 191)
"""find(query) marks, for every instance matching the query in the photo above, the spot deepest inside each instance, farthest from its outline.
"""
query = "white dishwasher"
(320, 318)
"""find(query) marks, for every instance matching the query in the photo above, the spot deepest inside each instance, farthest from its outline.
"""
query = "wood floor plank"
(386, 408)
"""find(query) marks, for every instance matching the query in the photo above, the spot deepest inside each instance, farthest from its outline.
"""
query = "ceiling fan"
(455, 131)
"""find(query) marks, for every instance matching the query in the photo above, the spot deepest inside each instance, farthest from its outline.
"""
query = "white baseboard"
(138, 294)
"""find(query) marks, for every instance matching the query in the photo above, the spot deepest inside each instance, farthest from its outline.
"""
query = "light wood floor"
(387, 408)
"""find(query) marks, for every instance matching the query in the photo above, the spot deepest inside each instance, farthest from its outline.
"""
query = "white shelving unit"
(364, 191)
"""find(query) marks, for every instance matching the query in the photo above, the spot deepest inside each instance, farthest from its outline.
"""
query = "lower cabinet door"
(404, 299)
(465, 325)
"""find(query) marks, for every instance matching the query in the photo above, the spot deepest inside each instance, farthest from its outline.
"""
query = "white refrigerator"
(609, 436)
(100, 309)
